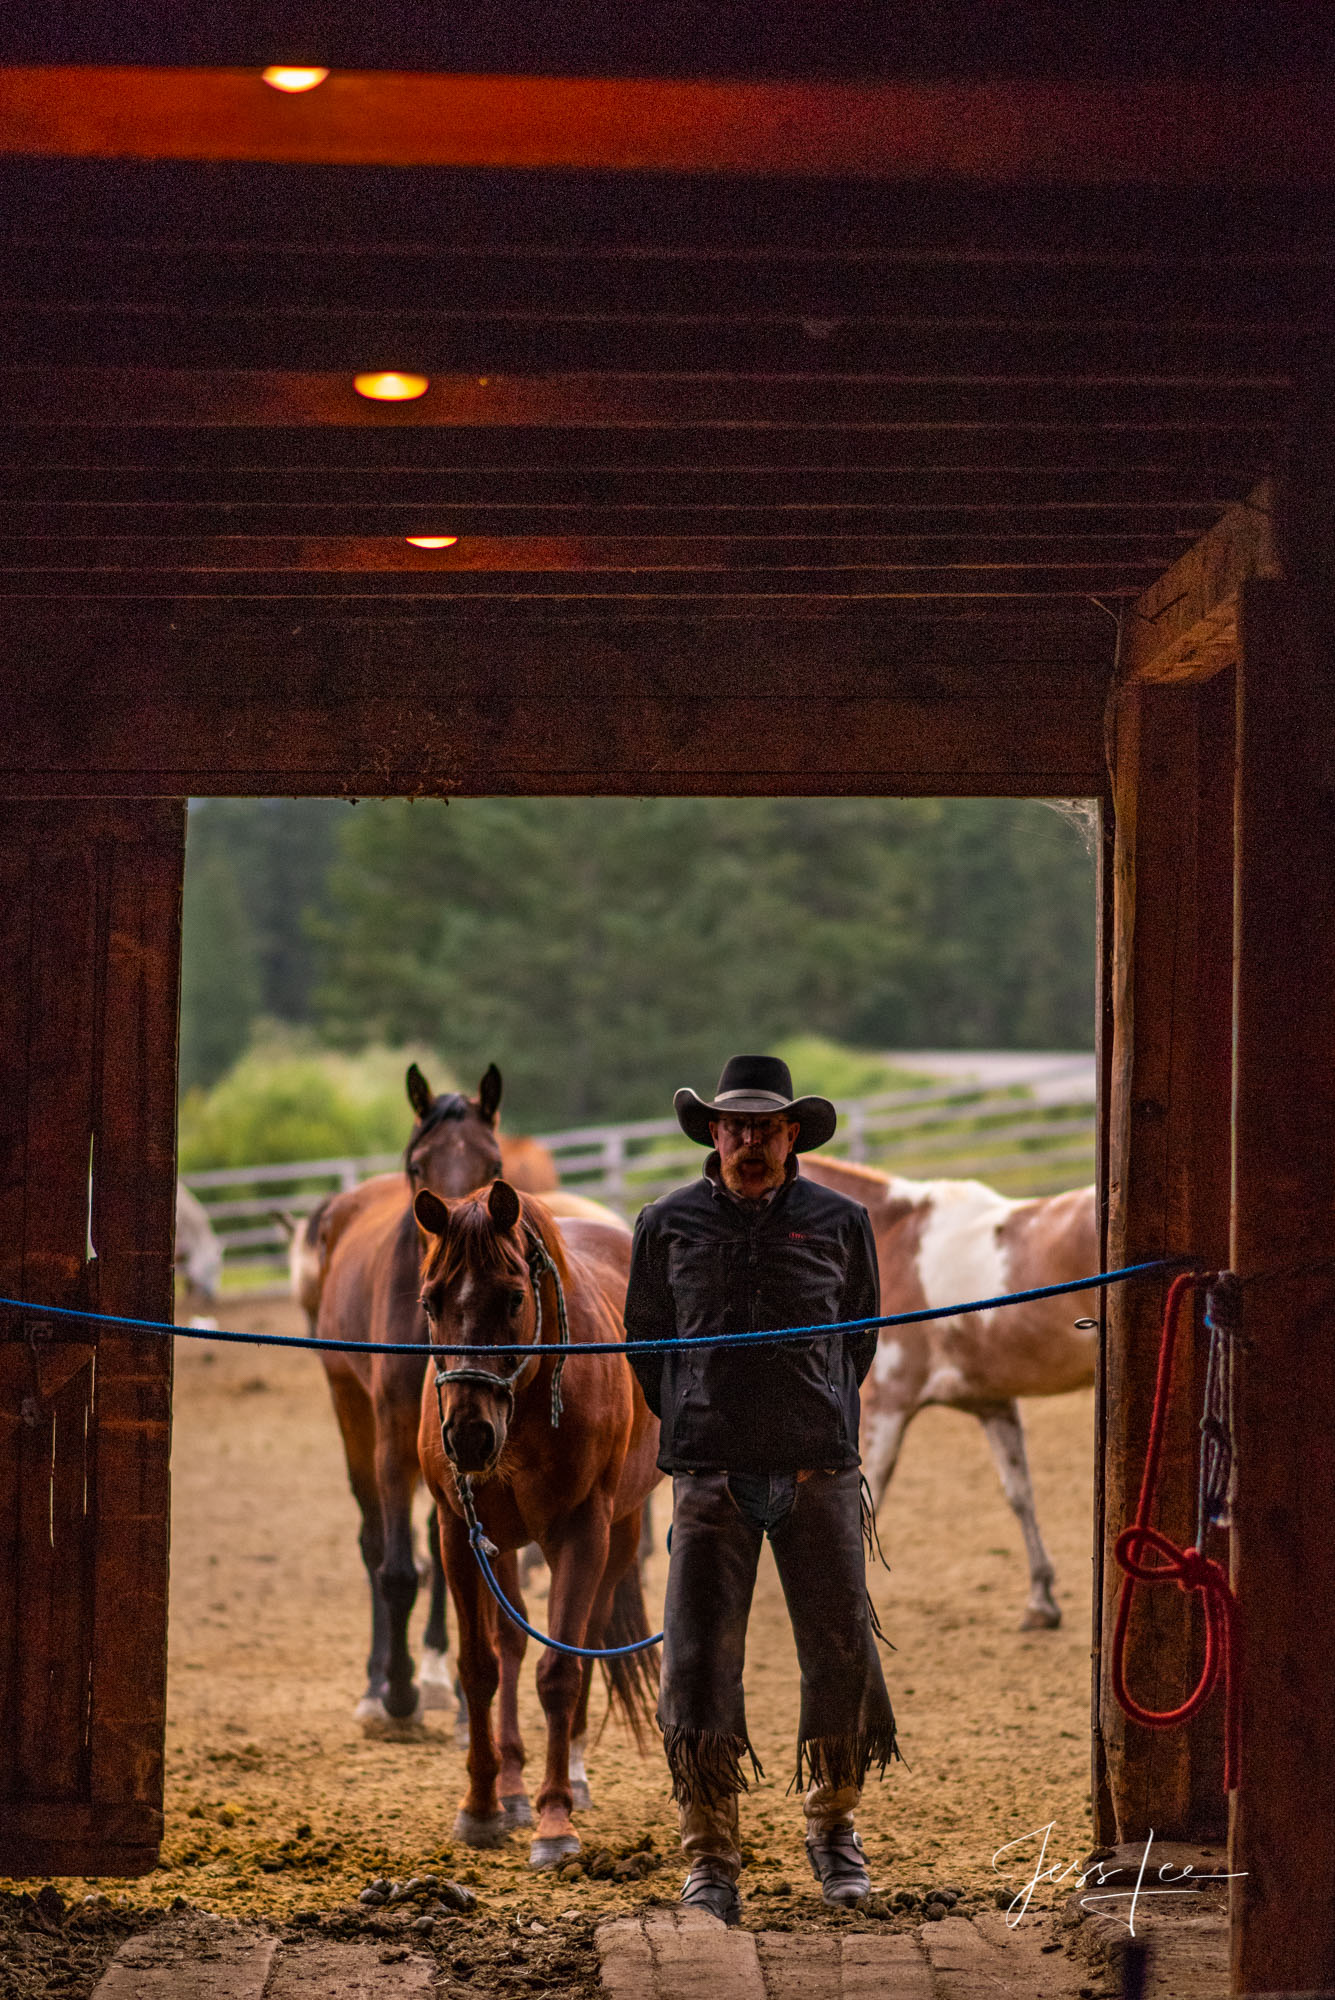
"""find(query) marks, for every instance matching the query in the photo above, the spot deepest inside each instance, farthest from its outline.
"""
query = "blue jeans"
(763, 1498)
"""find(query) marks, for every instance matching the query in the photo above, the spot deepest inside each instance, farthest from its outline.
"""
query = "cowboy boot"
(834, 1848)
(709, 1842)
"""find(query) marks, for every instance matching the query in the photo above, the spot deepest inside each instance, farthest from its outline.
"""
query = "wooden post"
(90, 898)
(1284, 1223)
(1169, 963)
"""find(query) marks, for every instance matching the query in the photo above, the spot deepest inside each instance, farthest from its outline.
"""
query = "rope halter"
(540, 1265)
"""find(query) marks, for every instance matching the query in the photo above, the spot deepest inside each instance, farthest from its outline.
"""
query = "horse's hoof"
(461, 1730)
(382, 1727)
(518, 1811)
(1041, 1618)
(436, 1680)
(580, 1797)
(550, 1853)
(481, 1830)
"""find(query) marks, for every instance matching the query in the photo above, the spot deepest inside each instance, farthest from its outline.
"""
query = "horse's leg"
(356, 1423)
(397, 1410)
(434, 1671)
(480, 1820)
(580, 1798)
(513, 1645)
(882, 1435)
(1005, 1435)
(580, 1564)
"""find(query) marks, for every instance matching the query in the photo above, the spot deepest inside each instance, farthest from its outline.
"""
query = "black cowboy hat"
(760, 1084)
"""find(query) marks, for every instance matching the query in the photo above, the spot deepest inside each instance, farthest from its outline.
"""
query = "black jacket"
(703, 1263)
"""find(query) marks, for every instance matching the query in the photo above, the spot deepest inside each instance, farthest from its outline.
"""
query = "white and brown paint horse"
(940, 1243)
(198, 1255)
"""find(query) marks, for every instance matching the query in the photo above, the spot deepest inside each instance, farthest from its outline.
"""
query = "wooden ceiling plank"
(920, 465)
(189, 398)
(1094, 357)
(1184, 627)
(1055, 133)
(73, 531)
(593, 283)
(579, 554)
(793, 594)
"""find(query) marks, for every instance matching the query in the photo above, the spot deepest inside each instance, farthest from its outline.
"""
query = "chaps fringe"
(838, 1761)
(707, 1764)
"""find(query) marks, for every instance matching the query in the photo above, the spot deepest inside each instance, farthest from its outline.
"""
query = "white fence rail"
(1025, 1138)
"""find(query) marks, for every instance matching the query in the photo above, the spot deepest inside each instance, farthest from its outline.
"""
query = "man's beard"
(752, 1188)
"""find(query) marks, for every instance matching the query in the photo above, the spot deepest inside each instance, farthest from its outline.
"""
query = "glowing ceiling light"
(280, 78)
(391, 388)
(432, 541)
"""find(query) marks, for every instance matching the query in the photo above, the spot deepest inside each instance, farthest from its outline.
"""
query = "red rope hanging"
(1189, 1568)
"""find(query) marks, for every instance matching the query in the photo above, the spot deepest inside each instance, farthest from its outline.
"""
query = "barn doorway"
(275, 1797)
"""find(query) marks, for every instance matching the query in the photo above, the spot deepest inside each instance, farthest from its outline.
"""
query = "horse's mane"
(474, 1247)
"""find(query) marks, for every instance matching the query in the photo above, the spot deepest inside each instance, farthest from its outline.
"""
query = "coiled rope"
(1189, 1568)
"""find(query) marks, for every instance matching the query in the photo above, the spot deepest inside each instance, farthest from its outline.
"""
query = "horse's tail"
(632, 1678)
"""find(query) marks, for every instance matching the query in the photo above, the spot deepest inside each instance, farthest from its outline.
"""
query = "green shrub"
(289, 1099)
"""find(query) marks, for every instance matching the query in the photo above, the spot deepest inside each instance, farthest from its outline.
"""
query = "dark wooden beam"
(90, 914)
(312, 705)
(1284, 1249)
(1170, 969)
(1066, 133)
(1184, 627)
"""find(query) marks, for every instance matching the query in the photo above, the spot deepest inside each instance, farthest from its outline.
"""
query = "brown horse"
(496, 1270)
(939, 1243)
(368, 1252)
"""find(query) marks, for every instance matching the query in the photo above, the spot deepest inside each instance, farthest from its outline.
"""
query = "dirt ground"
(278, 1805)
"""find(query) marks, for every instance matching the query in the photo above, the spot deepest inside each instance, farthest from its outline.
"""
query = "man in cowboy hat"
(761, 1440)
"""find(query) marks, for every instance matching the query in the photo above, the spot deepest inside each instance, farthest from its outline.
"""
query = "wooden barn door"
(90, 917)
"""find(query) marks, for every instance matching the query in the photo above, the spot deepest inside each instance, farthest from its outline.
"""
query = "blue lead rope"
(765, 1338)
(478, 1542)
(484, 1550)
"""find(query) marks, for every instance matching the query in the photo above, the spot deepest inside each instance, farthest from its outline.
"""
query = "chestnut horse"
(939, 1243)
(568, 1470)
(364, 1287)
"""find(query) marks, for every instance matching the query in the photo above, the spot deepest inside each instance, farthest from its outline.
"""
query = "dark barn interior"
(926, 410)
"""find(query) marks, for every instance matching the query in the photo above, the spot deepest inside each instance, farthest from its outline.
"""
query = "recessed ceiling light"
(432, 541)
(280, 78)
(391, 388)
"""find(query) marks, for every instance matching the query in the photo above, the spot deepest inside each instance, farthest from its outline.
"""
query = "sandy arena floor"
(277, 1803)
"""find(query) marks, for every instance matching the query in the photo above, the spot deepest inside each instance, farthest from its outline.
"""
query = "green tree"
(220, 984)
(604, 950)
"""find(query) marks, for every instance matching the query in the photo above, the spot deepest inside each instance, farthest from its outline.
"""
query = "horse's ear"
(503, 1205)
(420, 1094)
(432, 1213)
(489, 1094)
